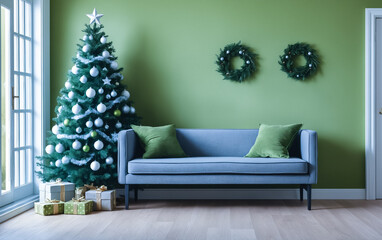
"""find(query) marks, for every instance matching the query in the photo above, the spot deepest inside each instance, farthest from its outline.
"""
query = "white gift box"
(102, 200)
(63, 191)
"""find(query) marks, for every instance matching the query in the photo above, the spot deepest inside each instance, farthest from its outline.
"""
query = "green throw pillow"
(274, 141)
(159, 142)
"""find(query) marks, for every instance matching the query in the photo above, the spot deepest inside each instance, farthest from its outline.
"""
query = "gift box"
(63, 191)
(102, 200)
(78, 207)
(49, 207)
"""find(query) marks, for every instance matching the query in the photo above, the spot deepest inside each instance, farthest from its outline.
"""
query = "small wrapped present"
(49, 207)
(78, 207)
(103, 199)
(63, 191)
(80, 191)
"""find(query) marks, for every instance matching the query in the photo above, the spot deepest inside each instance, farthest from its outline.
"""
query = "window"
(16, 100)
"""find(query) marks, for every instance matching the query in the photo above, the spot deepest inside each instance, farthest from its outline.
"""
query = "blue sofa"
(216, 157)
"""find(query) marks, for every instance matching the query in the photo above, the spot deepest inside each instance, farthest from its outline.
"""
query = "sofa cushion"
(218, 165)
(159, 142)
(274, 141)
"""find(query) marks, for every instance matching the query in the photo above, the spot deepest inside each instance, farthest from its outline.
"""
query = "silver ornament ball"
(83, 79)
(94, 72)
(109, 160)
(49, 149)
(95, 166)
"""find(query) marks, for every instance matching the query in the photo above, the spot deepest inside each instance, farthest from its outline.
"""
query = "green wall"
(168, 48)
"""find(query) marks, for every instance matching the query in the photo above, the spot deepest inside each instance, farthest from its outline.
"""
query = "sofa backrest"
(222, 142)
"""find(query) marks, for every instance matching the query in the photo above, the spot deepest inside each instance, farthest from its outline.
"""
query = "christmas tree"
(92, 108)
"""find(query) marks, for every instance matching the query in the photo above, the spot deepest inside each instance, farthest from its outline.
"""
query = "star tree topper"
(94, 17)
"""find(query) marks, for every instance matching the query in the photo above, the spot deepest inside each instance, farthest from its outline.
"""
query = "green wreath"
(299, 72)
(225, 65)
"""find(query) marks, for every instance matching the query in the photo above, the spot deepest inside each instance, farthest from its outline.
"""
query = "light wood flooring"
(208, 219)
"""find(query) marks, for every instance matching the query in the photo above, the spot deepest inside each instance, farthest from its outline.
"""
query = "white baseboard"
(18, 207)
(340, 193)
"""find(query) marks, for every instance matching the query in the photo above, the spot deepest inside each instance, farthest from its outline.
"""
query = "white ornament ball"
(240, 52)
(108, 96)
(101, 108)
(90, 93)
(100, 91)
(59, 148)
(89, 124)
(298, 75)
(103, 40)
(221, 59)
(75, 69)
(113, 93)
(114, 65)
(95, 166)
(94, 72)
(106, 126)
(286, 57)
(49, 149)
(67, 85)
(59, 109)
(117, 83)
(51, 163)
(76, 109)
(78, 130)
(90, 37)
(227, 52)
(98, 145)
(309, 53)
(71, 95)
(126, 93)
(126, 109)
(85, 38)
(98, 122)
(65, 160)
(105, 54)
(55, 129)
(118, 125)
(83, 79)
(247, 62)
(310, 65)
(76, 145)
(109, 160)
(58, 163)
(86, 48)
(132, 110)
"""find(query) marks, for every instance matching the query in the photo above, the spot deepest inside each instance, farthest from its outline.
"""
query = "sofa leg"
(136, 193)
(301, 192)
(126, 196)
(309, 196)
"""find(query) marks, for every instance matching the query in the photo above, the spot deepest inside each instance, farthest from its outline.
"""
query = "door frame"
(371, 15)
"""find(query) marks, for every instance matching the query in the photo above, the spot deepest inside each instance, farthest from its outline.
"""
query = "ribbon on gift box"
(55, 205)
(62, 190)
(98, 196)
(75, 204)
(90, 187)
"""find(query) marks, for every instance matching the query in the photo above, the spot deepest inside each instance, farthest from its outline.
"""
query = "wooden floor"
(209, 219)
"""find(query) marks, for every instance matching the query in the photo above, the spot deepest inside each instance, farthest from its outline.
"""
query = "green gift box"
(49, 207)
(78, 207)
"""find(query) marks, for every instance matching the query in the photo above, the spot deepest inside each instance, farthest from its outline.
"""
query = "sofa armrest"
(126, 152)
(309, 152)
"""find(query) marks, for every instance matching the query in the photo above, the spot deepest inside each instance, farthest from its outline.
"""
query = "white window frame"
(41, 98)
(41, 70)
(371, 14)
